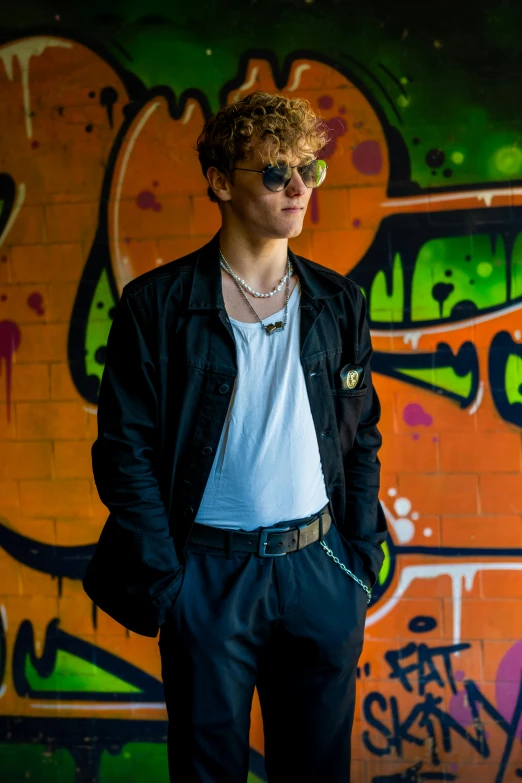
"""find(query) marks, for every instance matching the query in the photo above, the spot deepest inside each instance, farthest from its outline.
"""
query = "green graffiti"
(98, 324)
(443, 378)
(516, 268)
(450, 272)
(20, 763)
(386, 565)
(513, 379)
(453, 270)
(140, 761)
(137, 761)
(384, 306)
(71, 673)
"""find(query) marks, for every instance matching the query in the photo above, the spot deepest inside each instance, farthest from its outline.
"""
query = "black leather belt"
(266, 542)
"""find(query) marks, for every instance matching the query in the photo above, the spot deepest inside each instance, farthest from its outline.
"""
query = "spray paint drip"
(10, 338)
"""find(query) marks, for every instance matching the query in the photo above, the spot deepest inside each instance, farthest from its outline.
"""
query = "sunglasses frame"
(285, 182)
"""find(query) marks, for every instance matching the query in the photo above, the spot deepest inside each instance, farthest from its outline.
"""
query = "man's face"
(262, 212)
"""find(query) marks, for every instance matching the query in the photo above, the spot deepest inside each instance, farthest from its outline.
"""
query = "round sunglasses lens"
(276, 177)
(314, 173)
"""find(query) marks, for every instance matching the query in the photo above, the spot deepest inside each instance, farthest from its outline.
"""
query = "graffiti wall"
(422, 207)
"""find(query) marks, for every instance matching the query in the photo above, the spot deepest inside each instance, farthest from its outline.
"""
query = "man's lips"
(292, 209)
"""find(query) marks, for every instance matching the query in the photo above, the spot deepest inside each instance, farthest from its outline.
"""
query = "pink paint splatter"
(35, 144)
(342, 109)
(415, 436)
(356, 222)
(359, 124)
(459, 710)
(508, 683)
(337, 127)
(367, 157)
(314, 206)
(459, 675)
(10, 338)
(155, 183)
(414, 415)
(35, 302)
(325, 102)
(147, 200)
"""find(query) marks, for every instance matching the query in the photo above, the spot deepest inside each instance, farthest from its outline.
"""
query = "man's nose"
(296, 184)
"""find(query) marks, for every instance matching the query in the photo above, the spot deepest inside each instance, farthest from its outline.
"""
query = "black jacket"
(164, 395)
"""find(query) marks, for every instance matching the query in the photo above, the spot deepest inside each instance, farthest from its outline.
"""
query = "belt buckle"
(263, 542)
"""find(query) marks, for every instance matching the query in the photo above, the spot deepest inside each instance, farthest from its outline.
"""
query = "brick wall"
(94, 194)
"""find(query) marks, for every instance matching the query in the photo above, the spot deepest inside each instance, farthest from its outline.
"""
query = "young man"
(237, 454)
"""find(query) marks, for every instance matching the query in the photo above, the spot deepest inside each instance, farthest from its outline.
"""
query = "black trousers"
(291, 625)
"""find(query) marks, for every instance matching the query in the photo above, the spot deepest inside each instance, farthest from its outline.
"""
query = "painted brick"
(51, 420)
(403, 453)
(205, 215)
(29, 227)
(485, 619)
(71, 222)
(43, 343)
(506, 582)
(28, 382)
(47, 263)
(177, 247)
(62, 386)
(9, 497)
(22, 460)
(501, 493)
(331, 211)
(476, 531)
(494, 452)
(444, 494)
(58, 498)
(60, 301)
(72, 459)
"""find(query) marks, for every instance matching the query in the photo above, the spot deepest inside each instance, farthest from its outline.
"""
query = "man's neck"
(260, 262)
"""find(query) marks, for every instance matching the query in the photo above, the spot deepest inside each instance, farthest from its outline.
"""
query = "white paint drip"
(486, 196)
(403, 528)
(297, 76)
(248, 84)
(20, 198)
(125, 275)
(461, 575)
(427, 330)
(412, 338)
(187, 114)
(88, 409)
(478, 399)
(3, 614)
(23, 50)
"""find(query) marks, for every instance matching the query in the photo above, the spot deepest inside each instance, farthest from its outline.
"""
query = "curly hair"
(287, 127)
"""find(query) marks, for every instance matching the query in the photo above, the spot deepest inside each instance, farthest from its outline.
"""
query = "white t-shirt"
(267, 467)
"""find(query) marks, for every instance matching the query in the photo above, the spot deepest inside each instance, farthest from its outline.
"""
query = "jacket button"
(325, 434)
(223, 388)
(188, 511)
(206, 450)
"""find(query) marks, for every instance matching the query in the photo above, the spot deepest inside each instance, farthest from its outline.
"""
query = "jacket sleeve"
(364, 514)
(135, 570)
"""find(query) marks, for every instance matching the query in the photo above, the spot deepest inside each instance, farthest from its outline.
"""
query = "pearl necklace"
(225, 265)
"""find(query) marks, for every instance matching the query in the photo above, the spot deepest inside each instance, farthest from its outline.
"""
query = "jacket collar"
(207, 291)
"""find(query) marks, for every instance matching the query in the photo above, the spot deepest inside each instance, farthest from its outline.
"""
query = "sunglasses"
(277, 177)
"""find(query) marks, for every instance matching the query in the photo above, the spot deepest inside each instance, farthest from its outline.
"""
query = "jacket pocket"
(348, 405)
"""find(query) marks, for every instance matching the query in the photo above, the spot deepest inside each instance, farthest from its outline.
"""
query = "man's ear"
(219, 183)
